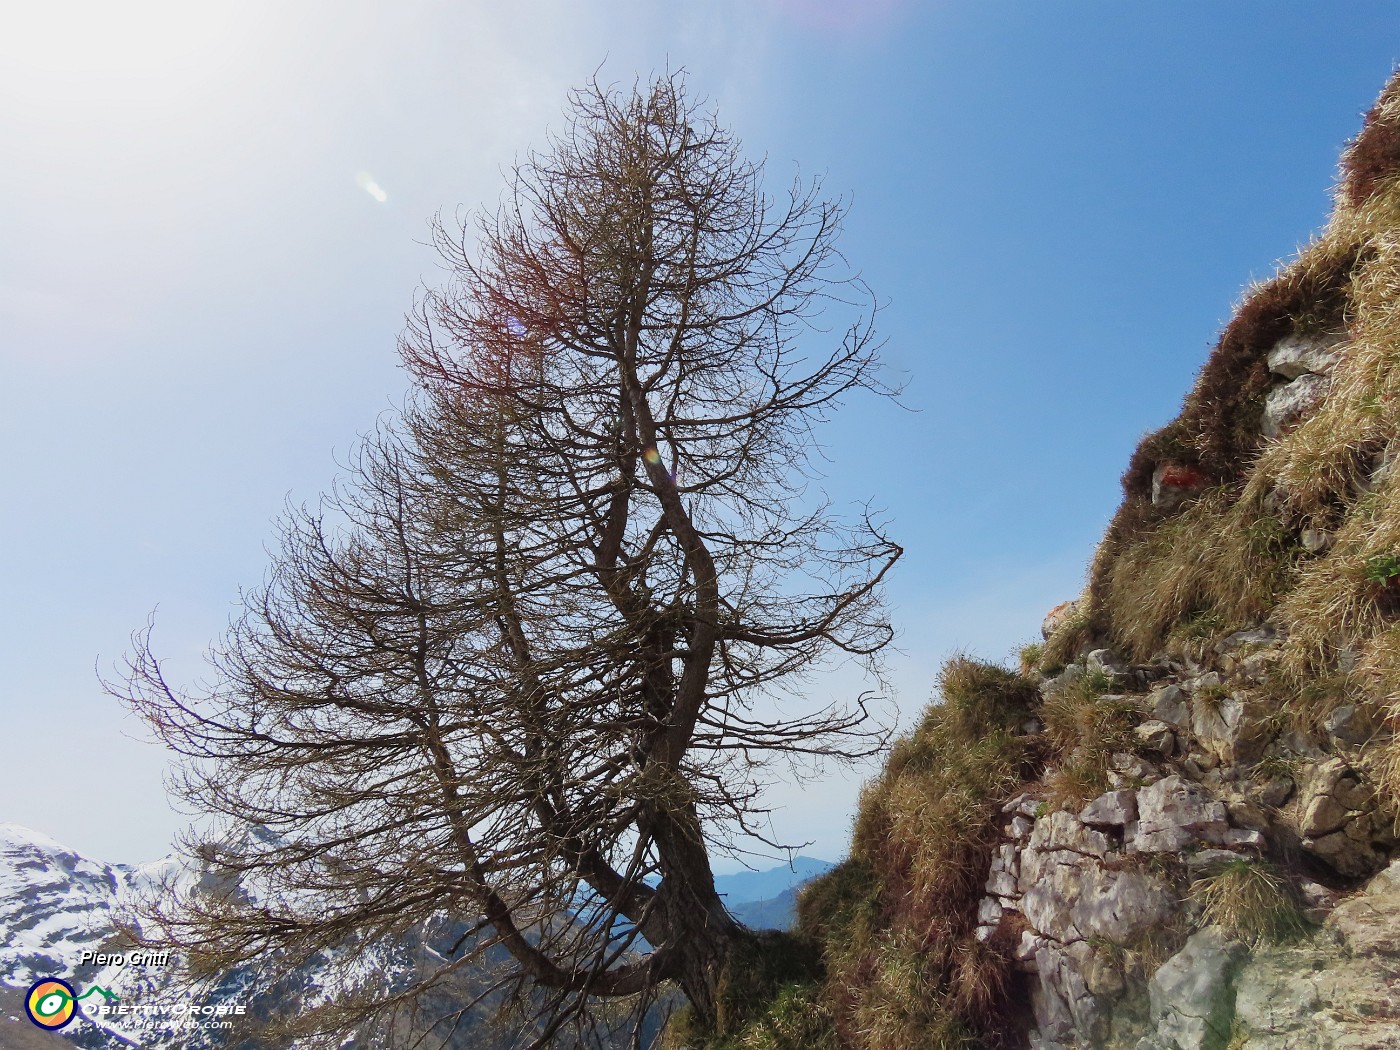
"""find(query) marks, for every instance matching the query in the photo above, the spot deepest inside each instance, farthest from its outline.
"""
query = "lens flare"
(366, 182)
(652, 456)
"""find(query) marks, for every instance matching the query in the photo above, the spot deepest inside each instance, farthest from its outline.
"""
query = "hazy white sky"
(211, 224)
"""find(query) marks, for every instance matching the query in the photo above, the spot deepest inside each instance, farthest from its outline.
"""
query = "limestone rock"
(1057, 618)
(1315, 541)
(1350, 725)
(1277, 791)
(1174, 813)
(1192, 995)
(1299, 355)
(1342, 990)
(1061, 831)
(1345, 854)
(1265, 635)
(1169, 704)
(1111, 809)
(1336, 824)
(1227, 726)
(1103, 661)
(1291, 403)
(1023, 804)
(1157, 736)
(1323, 816)
(1368, 924)
(1065, 1010)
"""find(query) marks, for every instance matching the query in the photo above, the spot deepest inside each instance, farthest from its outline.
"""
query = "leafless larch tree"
(518, 668)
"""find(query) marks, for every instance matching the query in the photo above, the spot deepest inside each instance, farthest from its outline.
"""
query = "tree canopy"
(518, 667)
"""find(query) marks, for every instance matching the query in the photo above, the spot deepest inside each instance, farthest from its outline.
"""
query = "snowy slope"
(55, 904)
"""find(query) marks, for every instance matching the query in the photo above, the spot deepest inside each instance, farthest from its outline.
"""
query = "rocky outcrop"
(1102, 900)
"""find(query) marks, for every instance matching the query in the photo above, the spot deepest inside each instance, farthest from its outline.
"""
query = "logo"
(52, 1004)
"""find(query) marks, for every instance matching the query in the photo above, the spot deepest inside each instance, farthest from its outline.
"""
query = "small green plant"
(1214, 695)
(1267, 536)
(1029, 657)
(1251, 903)
(1382, 568)
(1275, 766)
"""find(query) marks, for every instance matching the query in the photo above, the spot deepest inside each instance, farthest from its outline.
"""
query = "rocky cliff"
(1173, 826)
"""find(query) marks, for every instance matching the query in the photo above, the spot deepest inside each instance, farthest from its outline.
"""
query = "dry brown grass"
(1231, 557)
(904, 969)
(1373, 159)
(1085, 725)
(1251, 903)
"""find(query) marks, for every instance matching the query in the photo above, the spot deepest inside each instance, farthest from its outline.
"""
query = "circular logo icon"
(51, 1003)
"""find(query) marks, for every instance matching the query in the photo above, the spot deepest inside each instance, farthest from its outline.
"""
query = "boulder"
(1299, 355)
(1174, 813)
(1169, 704)
(1156, 736)
(1192, 995)
(1104, 662)
(1291, 403)
(1316, 541)
(1225, 729)
(1111, 809)
(1057, 618)
(1335, 819)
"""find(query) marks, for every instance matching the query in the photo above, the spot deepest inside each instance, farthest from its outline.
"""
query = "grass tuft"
(1251, 903)
(1086, 724)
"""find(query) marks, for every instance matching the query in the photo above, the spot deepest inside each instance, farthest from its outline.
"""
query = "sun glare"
(366, 182)
(133, 50)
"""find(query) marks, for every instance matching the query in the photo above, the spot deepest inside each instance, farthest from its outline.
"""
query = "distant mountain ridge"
(55, 904)
(747, 887)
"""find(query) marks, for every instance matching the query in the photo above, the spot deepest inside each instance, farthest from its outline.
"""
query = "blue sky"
(198, 302)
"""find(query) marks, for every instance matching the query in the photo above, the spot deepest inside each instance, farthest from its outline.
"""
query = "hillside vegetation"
(1235, 658)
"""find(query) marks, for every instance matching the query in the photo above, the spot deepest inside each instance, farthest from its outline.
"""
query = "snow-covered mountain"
(56, 905)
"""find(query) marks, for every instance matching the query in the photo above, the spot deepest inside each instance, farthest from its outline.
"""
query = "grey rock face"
(1337, 821)
(1111, 809)
(1173, 813)
(1169, 704)
(1192, 994)
(1291, 403)
(1175, 483)
(1226, 727)
(1157, 736)
(1342, 990)
(1298, 355)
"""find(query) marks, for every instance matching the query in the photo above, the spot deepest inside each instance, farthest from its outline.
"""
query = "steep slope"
(1173, 828)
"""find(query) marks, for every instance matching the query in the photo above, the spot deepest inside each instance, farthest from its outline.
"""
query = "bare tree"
(519, 668)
